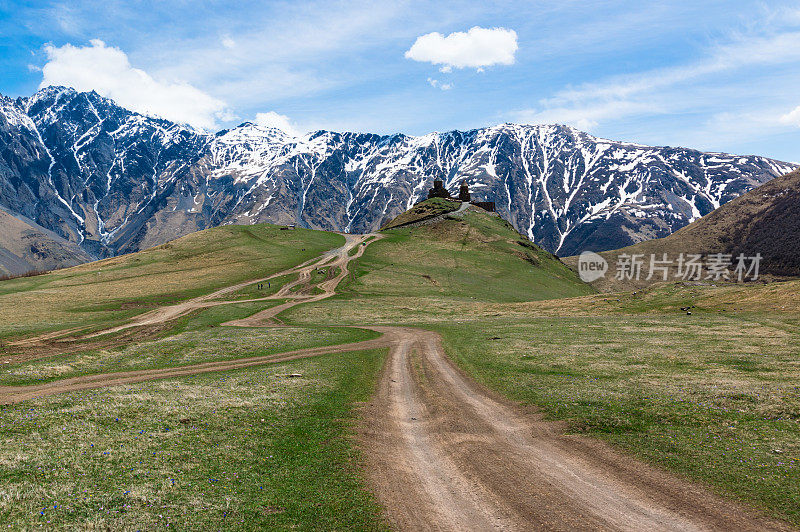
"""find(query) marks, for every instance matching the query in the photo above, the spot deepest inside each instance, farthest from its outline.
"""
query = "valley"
(400, 266)
(449, 372)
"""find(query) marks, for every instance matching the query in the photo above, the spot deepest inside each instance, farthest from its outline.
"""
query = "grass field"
(252, 291)
(191, 347)
(431, 273)
(715, 398)
(713, 395)
(240, 450)
(112, 290)
(479, 257)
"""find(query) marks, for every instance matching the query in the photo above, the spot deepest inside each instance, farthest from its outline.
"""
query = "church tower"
(463, 192)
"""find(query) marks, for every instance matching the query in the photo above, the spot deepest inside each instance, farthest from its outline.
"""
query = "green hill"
(709, 394)
(475, 254)
(115, 289)
(443, 270)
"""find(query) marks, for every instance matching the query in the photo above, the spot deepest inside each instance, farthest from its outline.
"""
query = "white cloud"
(278, 121)
(667, 90)
(792, 117)
(476, 48)
(106, 70)
(228, 43)
(435, 83)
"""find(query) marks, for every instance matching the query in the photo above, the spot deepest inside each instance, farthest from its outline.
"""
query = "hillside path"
(444, 453)
(335, 258)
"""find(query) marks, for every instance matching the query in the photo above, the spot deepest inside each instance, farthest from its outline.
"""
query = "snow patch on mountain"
(116, 181)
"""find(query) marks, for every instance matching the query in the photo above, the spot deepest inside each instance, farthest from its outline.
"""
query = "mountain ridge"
(114, 181)
(764, 221)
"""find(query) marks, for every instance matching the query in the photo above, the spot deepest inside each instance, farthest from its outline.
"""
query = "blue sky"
(714, 75)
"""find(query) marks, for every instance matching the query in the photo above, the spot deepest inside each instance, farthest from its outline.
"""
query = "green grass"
(241, 450)
(219, 314)
(713, 396)
(424, 210)
(97, 293)
(442, 272)
(481, 257)
(188, 348)
(252, 291)
(716, 398)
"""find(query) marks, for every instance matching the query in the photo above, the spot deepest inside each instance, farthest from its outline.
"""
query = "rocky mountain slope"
(764, 221)
(114, 181)
(27, 247)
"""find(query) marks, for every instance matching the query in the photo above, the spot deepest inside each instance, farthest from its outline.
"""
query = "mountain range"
(112, 181)
(764, 222)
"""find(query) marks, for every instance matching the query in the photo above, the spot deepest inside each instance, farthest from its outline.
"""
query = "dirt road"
(17, 394)
(327, 287)
(443, 453)
(335, 258)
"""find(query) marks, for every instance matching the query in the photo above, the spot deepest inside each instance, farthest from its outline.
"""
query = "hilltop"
(425, 210)
(440, 264)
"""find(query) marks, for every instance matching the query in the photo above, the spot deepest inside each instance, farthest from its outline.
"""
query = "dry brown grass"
(114, 289)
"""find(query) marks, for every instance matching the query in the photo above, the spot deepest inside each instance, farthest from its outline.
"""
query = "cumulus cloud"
(435, 83)
(106, 70)
(476, 48)
(278, 121)
(228, 43)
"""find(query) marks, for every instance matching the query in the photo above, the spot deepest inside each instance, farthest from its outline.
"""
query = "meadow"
(715, 398)
(111, 291)
(713, 395)
(249, 449)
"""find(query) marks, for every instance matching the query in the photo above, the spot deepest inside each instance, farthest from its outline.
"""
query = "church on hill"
(438, 191)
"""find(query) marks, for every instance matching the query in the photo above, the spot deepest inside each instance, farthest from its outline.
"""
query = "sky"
(712, 75)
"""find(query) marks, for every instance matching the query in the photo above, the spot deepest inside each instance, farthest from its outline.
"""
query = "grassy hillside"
(427, 272)
(712, 395)
(424, 211)
(265, 447)
(113, 290)
(478, 255)
(766, 220)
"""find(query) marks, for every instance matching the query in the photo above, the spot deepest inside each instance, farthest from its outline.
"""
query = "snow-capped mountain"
(115, 181)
